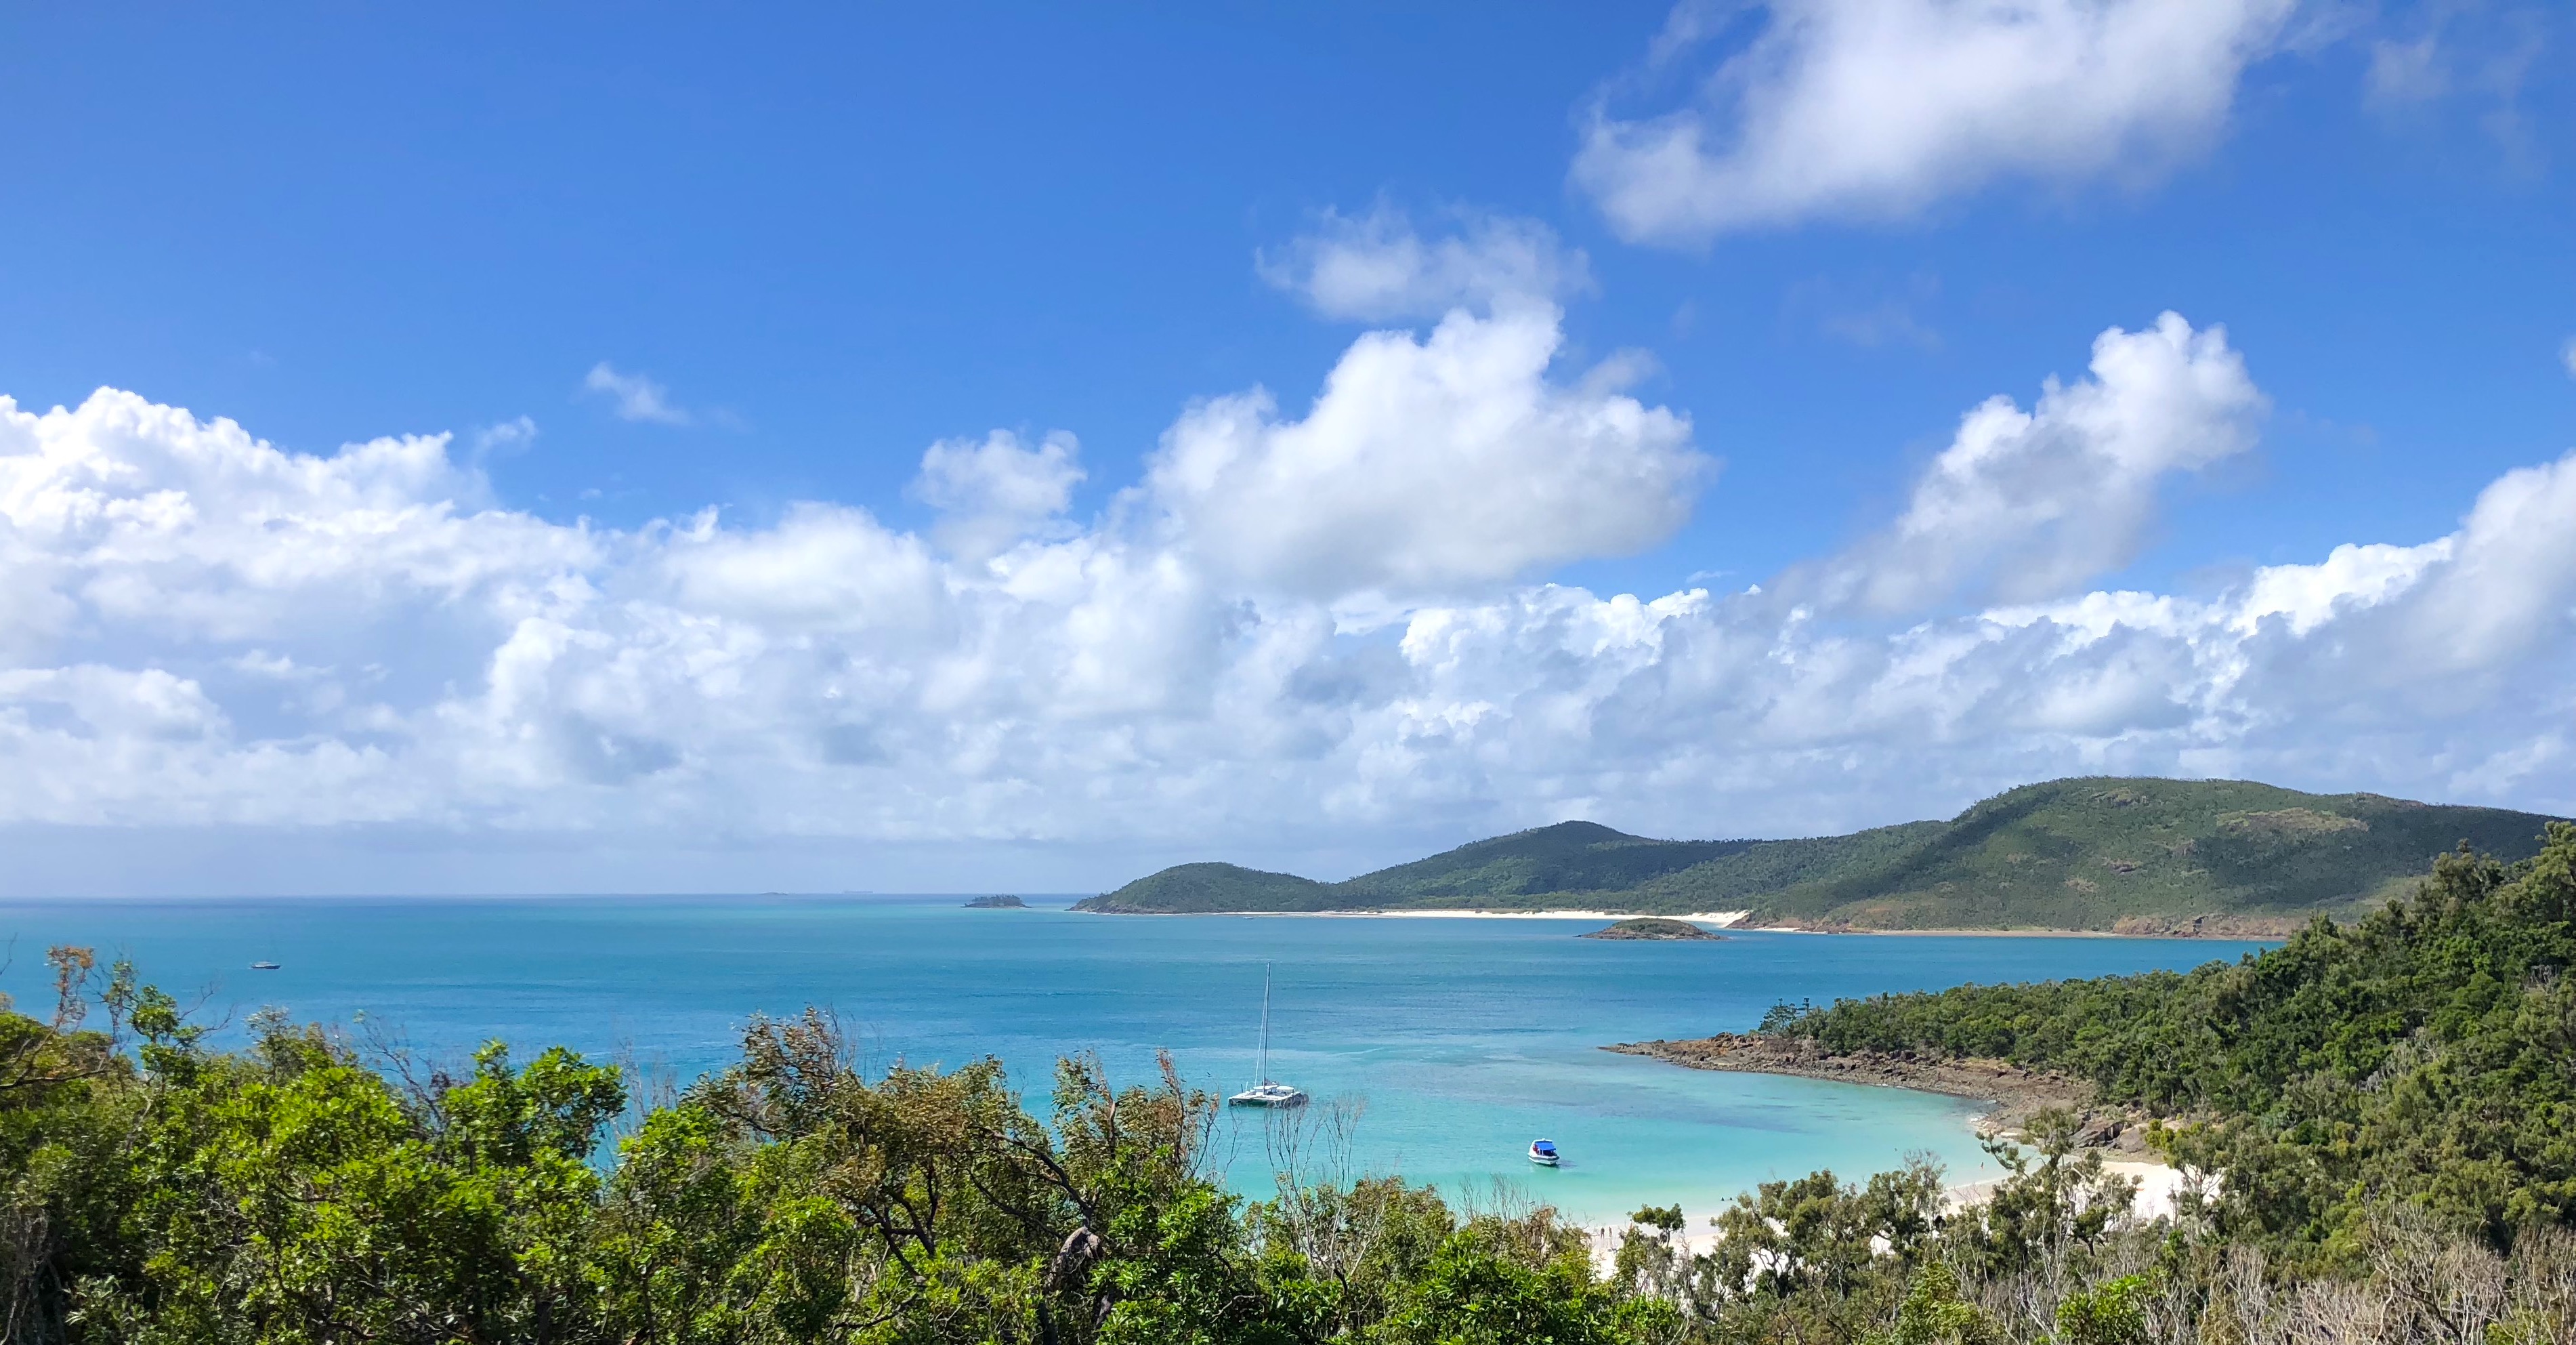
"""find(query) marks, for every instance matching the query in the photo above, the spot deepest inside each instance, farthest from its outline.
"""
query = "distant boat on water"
(1265, 1092)
(1543, 1153)
(263, 966)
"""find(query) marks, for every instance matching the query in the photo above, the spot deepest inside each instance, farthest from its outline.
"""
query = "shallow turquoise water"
(1458, 1041)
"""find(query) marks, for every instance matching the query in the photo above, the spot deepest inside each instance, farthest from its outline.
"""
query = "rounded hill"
(2096, 853)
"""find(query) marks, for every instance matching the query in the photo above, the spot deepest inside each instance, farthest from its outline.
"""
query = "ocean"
(1434, 1048)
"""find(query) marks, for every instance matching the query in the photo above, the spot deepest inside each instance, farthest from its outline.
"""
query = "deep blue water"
(1458, 1040)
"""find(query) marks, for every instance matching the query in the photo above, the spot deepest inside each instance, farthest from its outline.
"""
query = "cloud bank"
(1877, 109)
(1292, 629)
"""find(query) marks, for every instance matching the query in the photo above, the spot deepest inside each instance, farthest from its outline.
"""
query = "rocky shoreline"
(2211, 926)
(2015, 1093)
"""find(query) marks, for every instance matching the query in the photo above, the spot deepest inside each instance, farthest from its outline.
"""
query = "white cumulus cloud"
(2507, 586)
(1377, 268)
(1429, 464)
(1876, 109)
(2025, 505)
(992, 492)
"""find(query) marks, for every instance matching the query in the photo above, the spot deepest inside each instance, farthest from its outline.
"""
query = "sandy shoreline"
(2012, 1093)
(1717, 919)
(1721, 919)
(2159, 1196)
(1999, 933)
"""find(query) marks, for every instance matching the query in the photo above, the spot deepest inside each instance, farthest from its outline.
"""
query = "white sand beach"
(2159, 1187)
(1721, 919)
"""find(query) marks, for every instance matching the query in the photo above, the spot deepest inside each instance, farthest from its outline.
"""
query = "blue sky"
(828, 239)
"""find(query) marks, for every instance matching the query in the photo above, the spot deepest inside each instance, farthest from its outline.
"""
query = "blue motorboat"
(1543, 1153)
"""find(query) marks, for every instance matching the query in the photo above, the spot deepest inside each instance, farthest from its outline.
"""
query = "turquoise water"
(1456, 1041)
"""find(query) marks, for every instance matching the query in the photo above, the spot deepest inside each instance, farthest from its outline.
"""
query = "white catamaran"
(1264, 1092)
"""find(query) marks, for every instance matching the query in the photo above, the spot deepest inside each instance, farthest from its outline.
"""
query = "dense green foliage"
(2069, 854)
(155, 1191)
(2425, 1053)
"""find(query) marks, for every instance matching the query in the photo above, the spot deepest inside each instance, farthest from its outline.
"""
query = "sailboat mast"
(1265, 1024)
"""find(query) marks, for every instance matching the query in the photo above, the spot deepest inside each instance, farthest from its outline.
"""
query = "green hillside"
(2422, 1052)
(2091, 854)
(1547, 866)
(1567, 857)
(2085, 854)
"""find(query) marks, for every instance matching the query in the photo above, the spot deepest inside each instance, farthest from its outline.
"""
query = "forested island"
(2378, 1120)
(1653, 929)
(2220, 858)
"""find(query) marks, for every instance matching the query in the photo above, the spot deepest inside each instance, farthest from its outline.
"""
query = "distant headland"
(2149, 857)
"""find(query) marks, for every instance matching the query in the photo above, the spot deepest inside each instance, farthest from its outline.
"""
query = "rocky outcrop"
(2015, 1092)
(2209, 926)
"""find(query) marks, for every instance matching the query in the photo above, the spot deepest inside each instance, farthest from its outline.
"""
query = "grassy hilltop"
(2211, 856)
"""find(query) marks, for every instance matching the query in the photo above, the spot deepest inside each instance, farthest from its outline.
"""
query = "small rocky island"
(996, 904)
(1651, 927)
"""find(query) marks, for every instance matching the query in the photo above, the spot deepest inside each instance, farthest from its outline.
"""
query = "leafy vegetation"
(156, 1191)
(2426, 1054)
(2209, 856)
(2385, 1109)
